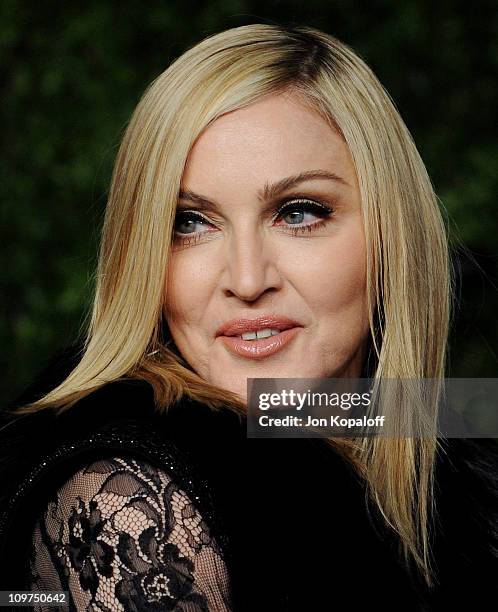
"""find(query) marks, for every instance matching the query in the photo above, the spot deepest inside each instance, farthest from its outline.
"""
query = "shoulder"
(142, 459)
(121, 530)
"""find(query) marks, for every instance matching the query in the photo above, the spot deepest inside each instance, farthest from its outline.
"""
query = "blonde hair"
(409, 275)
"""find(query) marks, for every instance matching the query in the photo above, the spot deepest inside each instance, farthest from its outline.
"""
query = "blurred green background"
(73, 73)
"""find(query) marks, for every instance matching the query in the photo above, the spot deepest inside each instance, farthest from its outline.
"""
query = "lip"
(237, 327)
(259, 349)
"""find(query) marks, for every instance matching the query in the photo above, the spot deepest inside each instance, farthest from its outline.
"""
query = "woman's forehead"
(266, 141)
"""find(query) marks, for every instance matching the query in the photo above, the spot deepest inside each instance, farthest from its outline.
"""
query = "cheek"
(346, 287)
(186, 290)
(335, 279)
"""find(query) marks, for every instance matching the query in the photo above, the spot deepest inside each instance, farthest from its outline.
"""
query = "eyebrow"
(270, 190)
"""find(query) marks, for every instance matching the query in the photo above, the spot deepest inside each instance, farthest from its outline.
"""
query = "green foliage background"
(73, 73)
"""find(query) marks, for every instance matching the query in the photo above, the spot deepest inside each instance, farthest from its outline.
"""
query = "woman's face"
(235, 256)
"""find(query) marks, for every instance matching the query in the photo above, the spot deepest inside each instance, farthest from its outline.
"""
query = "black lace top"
(121, 535)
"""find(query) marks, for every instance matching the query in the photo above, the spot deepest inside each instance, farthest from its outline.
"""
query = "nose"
(250, 268)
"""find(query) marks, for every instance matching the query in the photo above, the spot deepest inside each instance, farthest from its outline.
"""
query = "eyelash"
(291, 205)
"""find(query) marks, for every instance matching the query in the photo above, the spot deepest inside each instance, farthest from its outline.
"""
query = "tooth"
(264, 333)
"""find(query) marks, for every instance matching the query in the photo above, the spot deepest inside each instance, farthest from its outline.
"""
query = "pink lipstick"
(259, 337)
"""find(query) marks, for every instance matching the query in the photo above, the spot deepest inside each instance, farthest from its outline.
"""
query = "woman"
(265, 183)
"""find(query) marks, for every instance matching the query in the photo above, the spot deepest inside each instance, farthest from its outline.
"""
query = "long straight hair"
(409, 276)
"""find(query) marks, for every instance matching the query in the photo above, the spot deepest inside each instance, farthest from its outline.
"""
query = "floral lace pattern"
(120, 535)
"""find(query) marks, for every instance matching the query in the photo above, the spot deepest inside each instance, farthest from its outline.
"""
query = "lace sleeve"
(121, 535)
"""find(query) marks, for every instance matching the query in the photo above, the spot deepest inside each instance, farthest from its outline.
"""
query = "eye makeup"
(290, 206)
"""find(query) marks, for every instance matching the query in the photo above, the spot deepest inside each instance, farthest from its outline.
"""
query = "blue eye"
(186, 220)
(296, 210)
(187, 232)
